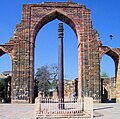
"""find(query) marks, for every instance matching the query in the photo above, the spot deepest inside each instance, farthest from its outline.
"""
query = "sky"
(105, 19)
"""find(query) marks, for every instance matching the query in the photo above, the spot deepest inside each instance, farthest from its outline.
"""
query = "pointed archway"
(108, 79)
(46, 50)
(114, 54)
(50, 16)
(5, 76)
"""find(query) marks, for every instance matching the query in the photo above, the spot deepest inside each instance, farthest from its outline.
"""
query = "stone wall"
(108, 89)
(21, 47)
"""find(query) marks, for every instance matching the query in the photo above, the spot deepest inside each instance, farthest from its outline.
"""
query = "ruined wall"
(108, 89)
(34, 17)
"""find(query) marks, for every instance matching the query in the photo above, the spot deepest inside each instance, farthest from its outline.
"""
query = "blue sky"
(105, 19)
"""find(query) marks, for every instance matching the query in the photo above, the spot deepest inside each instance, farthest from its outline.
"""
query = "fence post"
(88, 105)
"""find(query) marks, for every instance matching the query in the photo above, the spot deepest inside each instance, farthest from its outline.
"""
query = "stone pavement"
(26, 111)
(107, 111)
(16, 111)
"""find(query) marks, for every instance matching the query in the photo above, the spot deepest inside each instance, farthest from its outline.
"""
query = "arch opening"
(5, 78)
(49, 50)
(109, 64)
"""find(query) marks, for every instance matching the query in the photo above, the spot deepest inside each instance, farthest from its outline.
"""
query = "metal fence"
(67, 108)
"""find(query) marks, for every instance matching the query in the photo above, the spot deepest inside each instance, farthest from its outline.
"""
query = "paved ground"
(26, 111)
(107, 111)
(16, 111)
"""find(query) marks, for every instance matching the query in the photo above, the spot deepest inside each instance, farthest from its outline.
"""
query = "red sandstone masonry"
(90, 50)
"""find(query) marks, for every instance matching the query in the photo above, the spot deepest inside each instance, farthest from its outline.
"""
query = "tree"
(53, 69)
(104, 74)
(46, 75)
(43, 76)
(54, 84)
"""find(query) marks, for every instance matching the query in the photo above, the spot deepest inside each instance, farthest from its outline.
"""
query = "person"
(73, 96)
(2, 100)
(36, 88)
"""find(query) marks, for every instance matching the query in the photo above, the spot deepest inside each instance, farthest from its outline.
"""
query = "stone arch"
(66, 14)
(6, 49)
(7, 75)
(52, 15)
(114, 54)
(115, 58)
(1, 52)
(48, 17)
(34, 17)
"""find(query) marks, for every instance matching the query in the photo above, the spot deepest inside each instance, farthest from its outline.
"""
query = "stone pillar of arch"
(117, 73)
(118, 83)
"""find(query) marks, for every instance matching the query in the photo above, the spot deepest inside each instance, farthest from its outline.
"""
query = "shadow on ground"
(97, 114)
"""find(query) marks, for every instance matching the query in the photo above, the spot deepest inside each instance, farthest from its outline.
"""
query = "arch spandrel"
(113, 53)
(7, 49)
(52, 15)
(72, 14)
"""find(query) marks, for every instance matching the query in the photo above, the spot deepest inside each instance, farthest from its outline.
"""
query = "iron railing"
(73, 108)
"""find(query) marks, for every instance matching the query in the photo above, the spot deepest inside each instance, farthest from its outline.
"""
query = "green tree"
(43, 76)
(46, 75)
(53, 69)
(104, 74)
(54, 84)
